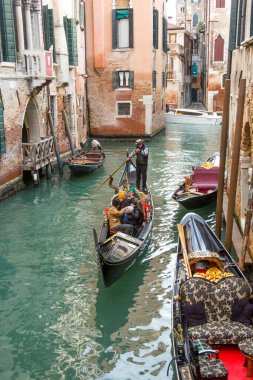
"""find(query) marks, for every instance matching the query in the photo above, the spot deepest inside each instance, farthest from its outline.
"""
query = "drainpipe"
(86, 79)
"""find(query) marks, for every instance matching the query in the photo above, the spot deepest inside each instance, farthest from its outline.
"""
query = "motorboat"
(193, 117)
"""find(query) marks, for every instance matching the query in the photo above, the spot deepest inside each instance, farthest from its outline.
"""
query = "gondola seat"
(218, 299)
(212, 369)
(205, 178)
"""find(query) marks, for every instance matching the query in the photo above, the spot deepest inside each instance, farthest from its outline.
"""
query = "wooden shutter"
(131, 28)
(163, 80)
(131, 79)
(153, 79)
(114, 30)
(155, 28)
(114, 80)
(48, 22)
(71, 37)
(219, 49)
(7, 31)
(242, 34)
(164, 35)
(195, 20)
(220, 3)
(2, 137)
(233, 25)
(239, 25)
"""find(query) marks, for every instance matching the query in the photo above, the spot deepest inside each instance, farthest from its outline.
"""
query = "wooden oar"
(107, 178)
(182, 239)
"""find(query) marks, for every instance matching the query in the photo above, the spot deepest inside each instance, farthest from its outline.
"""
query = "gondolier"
(141, 152)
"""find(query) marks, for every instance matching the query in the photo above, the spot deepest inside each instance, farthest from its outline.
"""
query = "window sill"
(122, 49)
(123, 89)
(8, 64)
(123, 117)
(247, 42)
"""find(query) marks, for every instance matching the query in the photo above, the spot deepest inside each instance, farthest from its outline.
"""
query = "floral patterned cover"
(212, 368)
(218, 299)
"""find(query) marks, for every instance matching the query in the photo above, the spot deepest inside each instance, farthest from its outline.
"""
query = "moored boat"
(200, 189)
(118, 252)
(87, 162)
(212, 311)
(193, 117)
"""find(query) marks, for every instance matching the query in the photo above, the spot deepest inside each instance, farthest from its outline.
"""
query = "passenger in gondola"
(136, 216)
(122, 197)
(131, 195)
(115, 214)
(124, 187)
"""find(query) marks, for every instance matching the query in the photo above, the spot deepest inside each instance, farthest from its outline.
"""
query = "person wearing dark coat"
(141, 152)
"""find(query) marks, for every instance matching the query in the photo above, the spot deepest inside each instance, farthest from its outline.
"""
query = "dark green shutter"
(115, 79)
(242, 36)
(131, 28)
(7, 31)
(233, 25)
(131, 79)
(48, 20)
(2, 137)
(114, 30)
(251, 20)
(164, 35)
(155, 28)
(153, 79)
(239, 25)
(163, 80)
(71, 37)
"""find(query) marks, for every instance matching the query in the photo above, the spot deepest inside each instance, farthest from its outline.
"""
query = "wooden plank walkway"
(237, 237)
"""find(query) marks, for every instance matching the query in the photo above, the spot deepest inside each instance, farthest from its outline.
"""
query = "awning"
(122, 14)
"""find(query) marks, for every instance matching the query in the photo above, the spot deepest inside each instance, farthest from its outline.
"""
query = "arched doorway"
(31, 124)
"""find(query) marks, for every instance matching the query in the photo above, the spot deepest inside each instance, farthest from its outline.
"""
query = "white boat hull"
(193, 120)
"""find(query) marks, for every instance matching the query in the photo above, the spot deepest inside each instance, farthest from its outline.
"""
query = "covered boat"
(87, 162)
(212, 332)
(193, 117)
(200, 189)
(118, 252)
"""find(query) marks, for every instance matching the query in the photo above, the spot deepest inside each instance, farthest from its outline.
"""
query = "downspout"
(86, 79)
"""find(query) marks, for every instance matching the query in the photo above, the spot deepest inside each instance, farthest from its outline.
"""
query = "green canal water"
(57, 321)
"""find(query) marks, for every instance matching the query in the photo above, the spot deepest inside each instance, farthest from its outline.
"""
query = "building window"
(220, 3)
(195, 20)
(182, 9)
(223, 80)
(219, 49)
(155, 28)
(165, 34)
(81, 15)
(154, 73)
(123, 109)
(7, 39)
(194, 70)
(195, 1)
(48, 23)
(53, 110)
(71, 38)
(164, 81)
(2, 134)
(123, 79)
(122, 28)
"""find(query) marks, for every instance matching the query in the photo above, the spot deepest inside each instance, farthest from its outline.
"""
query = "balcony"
(37, 155)
(38, 67)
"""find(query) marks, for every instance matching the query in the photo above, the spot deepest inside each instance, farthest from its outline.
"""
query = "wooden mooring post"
(223, 152)
(66, 123)
(235, 164)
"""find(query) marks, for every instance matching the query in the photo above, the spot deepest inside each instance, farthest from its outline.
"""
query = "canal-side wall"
(242, 68)
(141, 67)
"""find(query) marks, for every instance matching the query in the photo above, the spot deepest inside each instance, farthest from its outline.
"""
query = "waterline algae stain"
(57, 319)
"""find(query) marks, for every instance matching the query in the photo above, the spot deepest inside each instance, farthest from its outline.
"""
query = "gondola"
(200, 189)
(87, 162)
(210, 336)
(118, 252)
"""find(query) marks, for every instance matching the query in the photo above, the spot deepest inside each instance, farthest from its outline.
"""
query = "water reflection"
(57, 319)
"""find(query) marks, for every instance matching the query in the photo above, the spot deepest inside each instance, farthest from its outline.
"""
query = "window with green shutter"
(123, 79)
(251, 22)
(2, 136)
(154, 79)
(239, 25)
(7, 31)
(165, 35)
(122, 28)
(233, 25)
(48, 21)
(164, 80)
(71, 37)
(155, 28)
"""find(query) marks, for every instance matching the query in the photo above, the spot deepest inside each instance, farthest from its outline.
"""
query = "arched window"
(195, 20)
(219, 49)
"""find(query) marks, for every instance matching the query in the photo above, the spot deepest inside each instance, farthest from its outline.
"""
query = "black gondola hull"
(195, 201)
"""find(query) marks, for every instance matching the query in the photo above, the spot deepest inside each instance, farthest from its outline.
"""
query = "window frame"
(216, 39)
(220, 4)
(123, 102)
(115, 39)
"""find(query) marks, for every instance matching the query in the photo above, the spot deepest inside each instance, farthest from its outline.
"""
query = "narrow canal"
(57, 319)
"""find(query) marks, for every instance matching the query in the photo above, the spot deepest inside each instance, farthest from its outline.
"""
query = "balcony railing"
(37, 155)
(171, 75)
(38, 66)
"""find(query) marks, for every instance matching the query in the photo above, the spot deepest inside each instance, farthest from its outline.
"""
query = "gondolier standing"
(141, 152)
